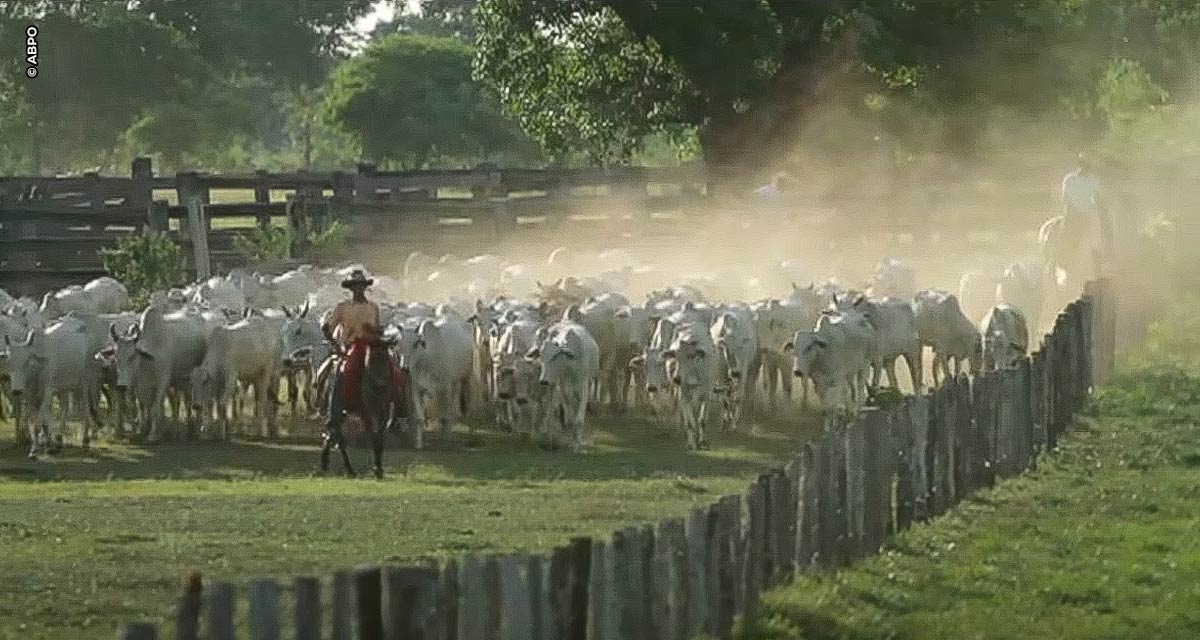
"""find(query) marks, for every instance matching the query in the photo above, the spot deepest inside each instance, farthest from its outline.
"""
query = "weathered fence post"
(187, 618)
(218, 605)
(95, 194)
(878, 459)
(697, 571)
(669, 615)
(158, 216)
(368, 603)
(408, 601)
(537, 572)
(343, 606)
(141, 188)
(754, 540)
(918, 418)
(264, 610)
(902, 441)
(198, 226)
(138, 631)
(262, 197)
(808, 531)
(604, 613)
(569, 575)
(855, 443)
(516, 617)
(298, 226)
(307, 613)
(188, 186)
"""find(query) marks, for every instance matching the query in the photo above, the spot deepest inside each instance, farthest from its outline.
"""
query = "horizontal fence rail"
(51, 229)
(842, 497)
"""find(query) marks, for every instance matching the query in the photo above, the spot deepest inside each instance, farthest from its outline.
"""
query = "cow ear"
(788, 346)
(305, 309)
(112, 331)
(287, 313)
(637, 361)
(533, 353)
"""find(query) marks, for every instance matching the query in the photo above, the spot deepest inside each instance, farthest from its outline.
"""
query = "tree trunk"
(307, 144)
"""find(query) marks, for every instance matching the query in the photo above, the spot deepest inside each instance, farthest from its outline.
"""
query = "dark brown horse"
(379, 402)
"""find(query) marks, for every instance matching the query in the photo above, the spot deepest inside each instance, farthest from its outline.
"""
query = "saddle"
(353, 365)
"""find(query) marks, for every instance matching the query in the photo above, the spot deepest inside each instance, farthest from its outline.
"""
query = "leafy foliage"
(270, 244)
(409, 100)
(146, 262)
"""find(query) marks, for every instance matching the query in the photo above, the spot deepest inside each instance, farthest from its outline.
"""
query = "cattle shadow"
(623, 448)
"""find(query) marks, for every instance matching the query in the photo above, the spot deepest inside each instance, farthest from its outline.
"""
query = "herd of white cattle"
(539, 355)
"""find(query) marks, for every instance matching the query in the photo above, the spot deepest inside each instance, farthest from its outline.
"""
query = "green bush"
(146, 262)
(271, 244)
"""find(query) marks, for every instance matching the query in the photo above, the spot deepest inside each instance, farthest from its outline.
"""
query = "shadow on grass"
(622, 448)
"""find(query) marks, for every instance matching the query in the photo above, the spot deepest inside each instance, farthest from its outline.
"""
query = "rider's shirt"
(1080, 192)
(353, 320)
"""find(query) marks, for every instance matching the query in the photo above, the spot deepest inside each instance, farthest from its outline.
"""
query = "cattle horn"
(287, 313)
(305, 308)
(112, 331)
(29, 338)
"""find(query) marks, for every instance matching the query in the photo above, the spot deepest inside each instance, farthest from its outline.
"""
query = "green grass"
(92, 541)
(1101, 542)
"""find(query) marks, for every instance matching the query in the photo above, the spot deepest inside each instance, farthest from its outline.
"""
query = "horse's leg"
(340, 441)
(377, 445)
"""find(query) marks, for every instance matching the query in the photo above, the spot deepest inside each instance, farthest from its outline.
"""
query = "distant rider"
(1086, 215)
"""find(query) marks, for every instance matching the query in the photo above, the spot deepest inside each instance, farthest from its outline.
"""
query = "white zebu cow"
(570, 365)
(652, 362)
(695, 370)
(837, 356)
(1005, 337)
(249, 352)
(896, 335)
(439, 358)
(102, 295)
(48, 364)
(157, 355)
(610, 327)
(776, 321)
(1022, 286)
(304, 348)
(517, 389)
(220, 293)
(977, 293)
(737, 343)
(893, 278)
(946, 329)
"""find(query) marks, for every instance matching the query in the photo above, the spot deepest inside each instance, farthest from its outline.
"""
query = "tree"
(440, 18)
(410, 100)
(602, 75)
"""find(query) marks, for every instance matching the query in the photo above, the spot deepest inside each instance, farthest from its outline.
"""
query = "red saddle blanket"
(352, 368)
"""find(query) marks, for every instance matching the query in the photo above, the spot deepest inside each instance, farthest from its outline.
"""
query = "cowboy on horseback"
(355, 325)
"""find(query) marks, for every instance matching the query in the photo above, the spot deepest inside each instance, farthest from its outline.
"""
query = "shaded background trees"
(746, 85)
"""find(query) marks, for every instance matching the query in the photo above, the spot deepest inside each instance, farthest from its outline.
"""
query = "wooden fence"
(840, 498)
(51, 228)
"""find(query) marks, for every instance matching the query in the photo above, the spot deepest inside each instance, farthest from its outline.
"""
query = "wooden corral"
(841, 498)
(52, 228)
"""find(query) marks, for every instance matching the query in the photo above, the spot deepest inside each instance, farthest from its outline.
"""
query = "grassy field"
(92, 541)
(1099, 543)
